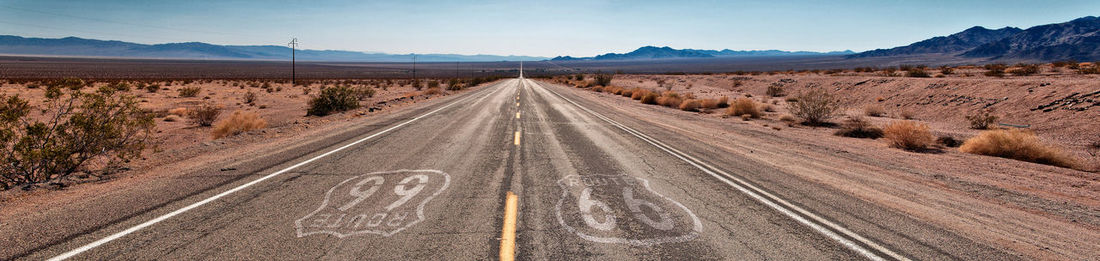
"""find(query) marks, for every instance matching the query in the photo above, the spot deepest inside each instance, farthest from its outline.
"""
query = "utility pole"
(293, 73)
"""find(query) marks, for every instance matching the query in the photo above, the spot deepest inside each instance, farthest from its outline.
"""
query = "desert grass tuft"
(1019, 145)
(909, 135)
(857, 127)
(238, 123)
(744, 106)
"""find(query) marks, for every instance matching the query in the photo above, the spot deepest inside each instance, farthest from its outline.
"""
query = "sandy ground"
(177, 140)
(1061, 107)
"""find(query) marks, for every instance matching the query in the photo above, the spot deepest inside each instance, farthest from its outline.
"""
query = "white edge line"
(151, 222)
(725, 177)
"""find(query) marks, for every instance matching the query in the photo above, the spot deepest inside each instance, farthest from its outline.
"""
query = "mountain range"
(653, 52)
(73, 46)
(1078, 39)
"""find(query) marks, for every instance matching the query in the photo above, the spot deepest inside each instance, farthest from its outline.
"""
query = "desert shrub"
(83, 127)
(1025, 69)
(917, 72)
(433, 84)
(815, 106)
(454, 84)
(237, 123)
(857, 127)
(333, 99)
(603, 79)
(670, 99)
(708, 104)
(249, 97)
(946, 70)
(364, 92)
(995, 70)
(744, 106)
(189, 91)
(120, 86)
(204, 115)
(981, 120)
(579, 77)
(775, 91)
(649, 98)
(909, 135)
(597, 89)
(70, 83)
(626, 92)
(1019, 145)
(690, 105)
(874, 110)
(638, 93)
(1059, 64)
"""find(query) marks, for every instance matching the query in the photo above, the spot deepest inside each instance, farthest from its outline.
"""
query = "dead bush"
(237, 123)
(649, 98)
(708, 104)
(1019, 145)
(627, 93)
(815, 106)
(775, 91)
(909, 135)
(189, 91)
(249, 97)
(690, 105)
(83, 127)
(874, 110)
(857, 127)
(982, 120)
(907, 114)
(205, 114)
(744, 106)
(670, 99)
(597, 89)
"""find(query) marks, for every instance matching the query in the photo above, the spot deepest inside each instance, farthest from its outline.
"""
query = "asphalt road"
(431, 185)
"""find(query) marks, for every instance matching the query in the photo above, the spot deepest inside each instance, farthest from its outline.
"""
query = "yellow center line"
(508, 232)
(517, 115)
(517, 138)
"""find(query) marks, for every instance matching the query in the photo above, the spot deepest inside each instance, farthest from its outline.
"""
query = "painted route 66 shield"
(382, 203)
(623, 209)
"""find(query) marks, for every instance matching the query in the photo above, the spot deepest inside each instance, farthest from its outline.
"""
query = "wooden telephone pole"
(293, 74)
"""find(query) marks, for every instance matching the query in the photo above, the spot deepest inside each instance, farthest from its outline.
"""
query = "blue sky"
(542, 28)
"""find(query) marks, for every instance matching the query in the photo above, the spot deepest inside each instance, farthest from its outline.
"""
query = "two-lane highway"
(590, 184)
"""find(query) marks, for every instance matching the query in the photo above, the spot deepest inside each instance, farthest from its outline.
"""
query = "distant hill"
(958, 42)
(1078, 40)
(73, 46)
(652, 52)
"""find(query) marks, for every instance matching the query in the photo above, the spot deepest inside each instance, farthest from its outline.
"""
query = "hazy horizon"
(574, 28)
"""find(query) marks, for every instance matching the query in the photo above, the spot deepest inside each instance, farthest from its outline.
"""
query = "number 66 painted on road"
(623, 209)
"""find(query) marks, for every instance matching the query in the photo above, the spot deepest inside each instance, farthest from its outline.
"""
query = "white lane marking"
(783, 206)
(151, 222)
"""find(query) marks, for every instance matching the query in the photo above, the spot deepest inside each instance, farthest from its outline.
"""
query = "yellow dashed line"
(517, 115)
(508, 232)
(517, 138)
